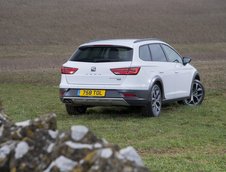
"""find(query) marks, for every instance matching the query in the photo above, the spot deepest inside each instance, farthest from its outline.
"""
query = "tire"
(197, 95)
(75, 110)
(153, 108)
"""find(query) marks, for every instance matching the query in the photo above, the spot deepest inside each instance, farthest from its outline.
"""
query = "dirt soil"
(60, 22)
(36, 36)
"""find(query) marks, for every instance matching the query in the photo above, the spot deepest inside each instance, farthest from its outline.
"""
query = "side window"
(144, 53)
(157, 53)
(171, 54)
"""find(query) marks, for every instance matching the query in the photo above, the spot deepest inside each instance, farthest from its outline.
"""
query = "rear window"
(103, 54)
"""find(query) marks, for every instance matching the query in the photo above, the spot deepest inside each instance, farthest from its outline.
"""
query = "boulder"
(37, 146)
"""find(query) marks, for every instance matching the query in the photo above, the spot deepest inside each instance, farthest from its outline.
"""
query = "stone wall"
(37, 146)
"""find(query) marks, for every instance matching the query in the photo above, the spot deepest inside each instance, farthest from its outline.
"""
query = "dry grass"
(213, 74)
(41, 64)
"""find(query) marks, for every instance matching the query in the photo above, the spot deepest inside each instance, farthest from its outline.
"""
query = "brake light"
(126, 71)
(68, 70)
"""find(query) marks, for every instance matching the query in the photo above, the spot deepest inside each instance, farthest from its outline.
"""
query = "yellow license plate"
(91, 93)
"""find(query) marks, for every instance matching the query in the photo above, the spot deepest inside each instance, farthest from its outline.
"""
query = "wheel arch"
(158, 80)
(196, 76)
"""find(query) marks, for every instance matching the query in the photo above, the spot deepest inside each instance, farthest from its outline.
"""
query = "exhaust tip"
(68, 101)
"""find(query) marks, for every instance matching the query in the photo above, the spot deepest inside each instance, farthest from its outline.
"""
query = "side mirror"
(186, 60)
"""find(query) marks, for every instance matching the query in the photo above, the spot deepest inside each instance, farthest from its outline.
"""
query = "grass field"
(182, 139)
(38, 36)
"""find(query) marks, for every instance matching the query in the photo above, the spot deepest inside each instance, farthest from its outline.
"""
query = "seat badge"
(93, 69)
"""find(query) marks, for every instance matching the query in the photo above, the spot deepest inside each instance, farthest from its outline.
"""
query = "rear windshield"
(103, 54)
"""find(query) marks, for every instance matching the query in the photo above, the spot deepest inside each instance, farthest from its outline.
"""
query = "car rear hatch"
(100, 65)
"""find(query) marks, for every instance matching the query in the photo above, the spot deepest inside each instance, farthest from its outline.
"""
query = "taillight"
(126, 71)
(68, 70)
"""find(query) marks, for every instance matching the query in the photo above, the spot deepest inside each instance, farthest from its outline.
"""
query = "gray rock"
(131, 154)
(62, 163)
(36, 145)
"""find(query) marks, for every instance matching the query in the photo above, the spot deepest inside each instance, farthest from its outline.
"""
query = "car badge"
(93, 69)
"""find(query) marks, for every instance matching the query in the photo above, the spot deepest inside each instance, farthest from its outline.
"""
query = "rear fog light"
(129, 95)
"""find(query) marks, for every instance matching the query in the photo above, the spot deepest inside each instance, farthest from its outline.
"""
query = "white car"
(128, 72)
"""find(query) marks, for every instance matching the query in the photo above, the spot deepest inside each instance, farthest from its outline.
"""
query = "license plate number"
(91, 93)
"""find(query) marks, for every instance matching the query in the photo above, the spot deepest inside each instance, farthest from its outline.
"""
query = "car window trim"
(173, 50)
(162, 50)
(149, 53)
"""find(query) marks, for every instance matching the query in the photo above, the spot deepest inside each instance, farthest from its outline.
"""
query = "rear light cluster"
(126, 71)
(68, 70)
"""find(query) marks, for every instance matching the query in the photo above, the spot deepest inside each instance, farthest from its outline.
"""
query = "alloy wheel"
(197, 94)
(156, 100)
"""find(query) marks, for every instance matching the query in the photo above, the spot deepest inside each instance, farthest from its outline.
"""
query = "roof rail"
(146, 39)
(94, 40)
(109, 39)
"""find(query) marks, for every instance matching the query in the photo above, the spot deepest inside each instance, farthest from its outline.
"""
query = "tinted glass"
(103, 54)
(157, 53)
(144, 53)
(171, 54)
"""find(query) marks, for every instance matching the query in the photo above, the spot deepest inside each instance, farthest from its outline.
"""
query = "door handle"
(161, 72)
(176, 72)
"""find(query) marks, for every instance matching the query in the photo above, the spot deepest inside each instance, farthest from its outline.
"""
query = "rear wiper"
(102, 60)
(82, 60)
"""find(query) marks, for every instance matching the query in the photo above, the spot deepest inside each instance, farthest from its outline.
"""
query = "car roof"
(122, 42)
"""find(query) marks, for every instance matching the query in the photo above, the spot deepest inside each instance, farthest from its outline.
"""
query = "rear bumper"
(112, 97)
